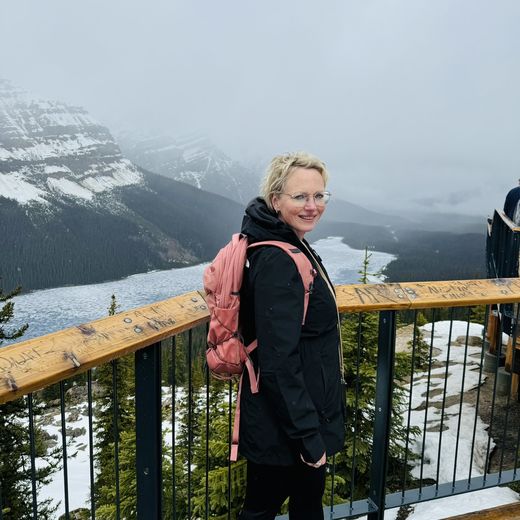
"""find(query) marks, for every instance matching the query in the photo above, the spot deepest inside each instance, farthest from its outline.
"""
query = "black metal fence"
(431, 414)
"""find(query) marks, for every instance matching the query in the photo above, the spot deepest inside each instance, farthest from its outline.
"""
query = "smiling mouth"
(308, 218)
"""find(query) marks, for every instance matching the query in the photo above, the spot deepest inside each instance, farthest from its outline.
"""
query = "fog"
(413, 104)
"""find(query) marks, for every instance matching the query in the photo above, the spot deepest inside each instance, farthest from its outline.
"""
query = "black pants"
(269, 486)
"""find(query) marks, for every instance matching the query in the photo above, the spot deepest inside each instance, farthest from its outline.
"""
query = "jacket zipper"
(326, 280)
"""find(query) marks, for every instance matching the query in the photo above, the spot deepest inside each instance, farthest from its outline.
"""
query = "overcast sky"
(412, 103)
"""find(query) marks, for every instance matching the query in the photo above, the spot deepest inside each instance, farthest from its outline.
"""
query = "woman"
(297, 419)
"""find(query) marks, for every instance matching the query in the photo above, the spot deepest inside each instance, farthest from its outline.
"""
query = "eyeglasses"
(300, 199)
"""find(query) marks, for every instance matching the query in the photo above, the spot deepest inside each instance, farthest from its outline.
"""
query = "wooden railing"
(31, 365)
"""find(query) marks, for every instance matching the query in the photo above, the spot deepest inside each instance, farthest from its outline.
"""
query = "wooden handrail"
(36, 363)
(425, 295)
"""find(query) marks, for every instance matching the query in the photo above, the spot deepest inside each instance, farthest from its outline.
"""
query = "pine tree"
(421, 355)
(360, 344)
(7, 313)
(218, 454)
(15, 468)
(118, 374)
(478, 314)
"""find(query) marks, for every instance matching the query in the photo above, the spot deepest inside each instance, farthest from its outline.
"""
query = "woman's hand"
(318, 464)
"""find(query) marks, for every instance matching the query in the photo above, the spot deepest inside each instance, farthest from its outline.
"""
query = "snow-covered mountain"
(49, 149)
(193, 159)
(74, 210)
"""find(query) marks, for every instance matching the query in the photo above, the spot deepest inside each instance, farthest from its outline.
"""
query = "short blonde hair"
(280, 169)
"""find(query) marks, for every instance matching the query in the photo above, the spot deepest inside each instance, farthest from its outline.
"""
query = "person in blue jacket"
(511, 204)
(296, 420)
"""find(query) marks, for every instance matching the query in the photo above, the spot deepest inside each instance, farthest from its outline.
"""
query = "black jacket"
(300, 406)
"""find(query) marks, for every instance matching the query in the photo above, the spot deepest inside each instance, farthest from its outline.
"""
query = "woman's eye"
(300, 197)
(319, 196)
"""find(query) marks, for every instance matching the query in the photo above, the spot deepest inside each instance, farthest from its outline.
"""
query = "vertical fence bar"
(64, 450)
(461, 401)
(427, 401)
(230, 426)
(32, 444)
(517, 446)
(332, 483)
(383, 410)
(410, 396)
(356, 404)
(174, 402)
(91, 445)
(493, 401)
(477, 403)
(206, 483)
(508, 399)
(148, 432)
(190, 416)
(115, 426)
(504, 435)
(446, 374)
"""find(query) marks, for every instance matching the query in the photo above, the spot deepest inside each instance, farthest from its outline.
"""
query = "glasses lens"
(321, 198)
(300, 199)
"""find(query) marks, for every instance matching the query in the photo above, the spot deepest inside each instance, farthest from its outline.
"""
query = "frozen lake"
(50, 310)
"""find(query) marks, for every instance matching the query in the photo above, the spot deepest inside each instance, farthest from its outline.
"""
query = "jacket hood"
(261, 223)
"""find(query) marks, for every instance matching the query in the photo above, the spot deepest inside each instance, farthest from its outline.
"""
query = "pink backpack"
(226, 354)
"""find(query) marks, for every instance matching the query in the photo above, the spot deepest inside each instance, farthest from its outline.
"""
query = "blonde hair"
(280, 169)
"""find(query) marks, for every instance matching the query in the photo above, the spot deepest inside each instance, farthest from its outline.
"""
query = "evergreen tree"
(118, 375)
(421, 355)
(360, 344)
(7, 313)
(218, 454)
(478, 314)
(15, 467)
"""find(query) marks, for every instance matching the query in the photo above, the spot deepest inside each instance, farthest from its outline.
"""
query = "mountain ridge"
(74, 210)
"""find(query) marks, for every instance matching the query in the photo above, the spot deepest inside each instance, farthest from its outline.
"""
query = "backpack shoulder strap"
(303, 264)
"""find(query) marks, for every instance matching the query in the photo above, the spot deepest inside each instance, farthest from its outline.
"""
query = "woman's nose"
(310, 202)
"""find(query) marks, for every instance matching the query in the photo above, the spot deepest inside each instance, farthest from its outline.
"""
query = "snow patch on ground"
(461, 504)
(77, 466)
(448, 449)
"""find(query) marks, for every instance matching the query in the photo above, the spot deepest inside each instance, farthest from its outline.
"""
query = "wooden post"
(493, 326)
(514, 385)
(509, 355)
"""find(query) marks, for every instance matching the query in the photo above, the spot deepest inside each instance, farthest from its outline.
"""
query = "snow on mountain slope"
(192, 159)
(73, 210)
(50, 149)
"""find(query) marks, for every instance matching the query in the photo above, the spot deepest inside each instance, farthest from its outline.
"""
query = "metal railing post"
(148, 432)
(383, 412)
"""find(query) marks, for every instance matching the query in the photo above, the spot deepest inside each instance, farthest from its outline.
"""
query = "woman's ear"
(274, 203)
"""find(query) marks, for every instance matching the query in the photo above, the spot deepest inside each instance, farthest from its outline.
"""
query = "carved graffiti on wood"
(56, 356)
(427, 294)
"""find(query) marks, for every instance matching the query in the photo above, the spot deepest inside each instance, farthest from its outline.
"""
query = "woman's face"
(302, 219)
